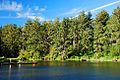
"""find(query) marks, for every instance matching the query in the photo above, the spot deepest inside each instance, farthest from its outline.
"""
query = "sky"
(19, 11)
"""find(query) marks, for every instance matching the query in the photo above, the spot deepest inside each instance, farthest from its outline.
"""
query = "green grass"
(95, 59)
(13, 58)
(2, 59)
(75, 58)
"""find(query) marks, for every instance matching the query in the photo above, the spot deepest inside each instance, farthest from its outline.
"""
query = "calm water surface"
(61, 71)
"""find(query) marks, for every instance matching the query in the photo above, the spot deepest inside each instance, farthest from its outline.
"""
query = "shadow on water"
(69, 70)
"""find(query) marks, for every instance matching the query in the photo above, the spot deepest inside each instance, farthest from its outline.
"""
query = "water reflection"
(19, 66)
(61, 71)
(9, 72)
(33, 65)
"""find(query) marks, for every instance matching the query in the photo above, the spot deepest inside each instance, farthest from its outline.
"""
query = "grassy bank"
(96, 59)
(4, 59)
(82, 59)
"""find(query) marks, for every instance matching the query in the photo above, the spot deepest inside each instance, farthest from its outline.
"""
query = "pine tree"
(100, 40)
(113, 27)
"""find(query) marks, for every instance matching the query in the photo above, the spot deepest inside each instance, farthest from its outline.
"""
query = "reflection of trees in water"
(9, 73)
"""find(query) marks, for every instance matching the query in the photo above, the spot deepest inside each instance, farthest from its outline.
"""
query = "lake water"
(61, 71)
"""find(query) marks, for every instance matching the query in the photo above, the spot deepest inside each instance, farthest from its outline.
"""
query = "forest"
(75, 38)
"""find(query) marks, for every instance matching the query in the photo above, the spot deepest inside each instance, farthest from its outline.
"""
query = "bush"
(114, 50)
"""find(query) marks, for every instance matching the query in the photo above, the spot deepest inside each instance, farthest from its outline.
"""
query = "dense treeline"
(71, 38)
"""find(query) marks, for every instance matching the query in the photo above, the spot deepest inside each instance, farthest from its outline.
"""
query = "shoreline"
(80, 60)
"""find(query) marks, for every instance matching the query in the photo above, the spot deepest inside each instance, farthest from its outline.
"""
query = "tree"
(69, 38)
(113, 33)
(100, 38)
(84, 34)
(65, 25)
(1, 43)
(11, 40)
(32, 40)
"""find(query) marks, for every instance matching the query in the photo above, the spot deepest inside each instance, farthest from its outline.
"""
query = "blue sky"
(18, 11)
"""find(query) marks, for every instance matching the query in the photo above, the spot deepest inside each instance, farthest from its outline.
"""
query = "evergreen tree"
(100, 39)
(32, 40)
(69, 38)
(113, 33)
(11, 40)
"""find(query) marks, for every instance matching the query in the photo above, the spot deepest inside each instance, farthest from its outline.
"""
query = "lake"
(69, 70)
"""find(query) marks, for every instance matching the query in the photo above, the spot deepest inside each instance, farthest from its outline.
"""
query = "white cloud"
(24, 15)
(36, 8)
(42, 9)
(12, 6)
(29, 14)
(26, 12)
(73, 11)
(39, 17)
(101, 7)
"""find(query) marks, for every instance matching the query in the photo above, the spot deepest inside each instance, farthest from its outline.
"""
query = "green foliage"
(100, 35)
(114, 50)
(78, 38)
(10, 39)
(113, 27)
(29, 55)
